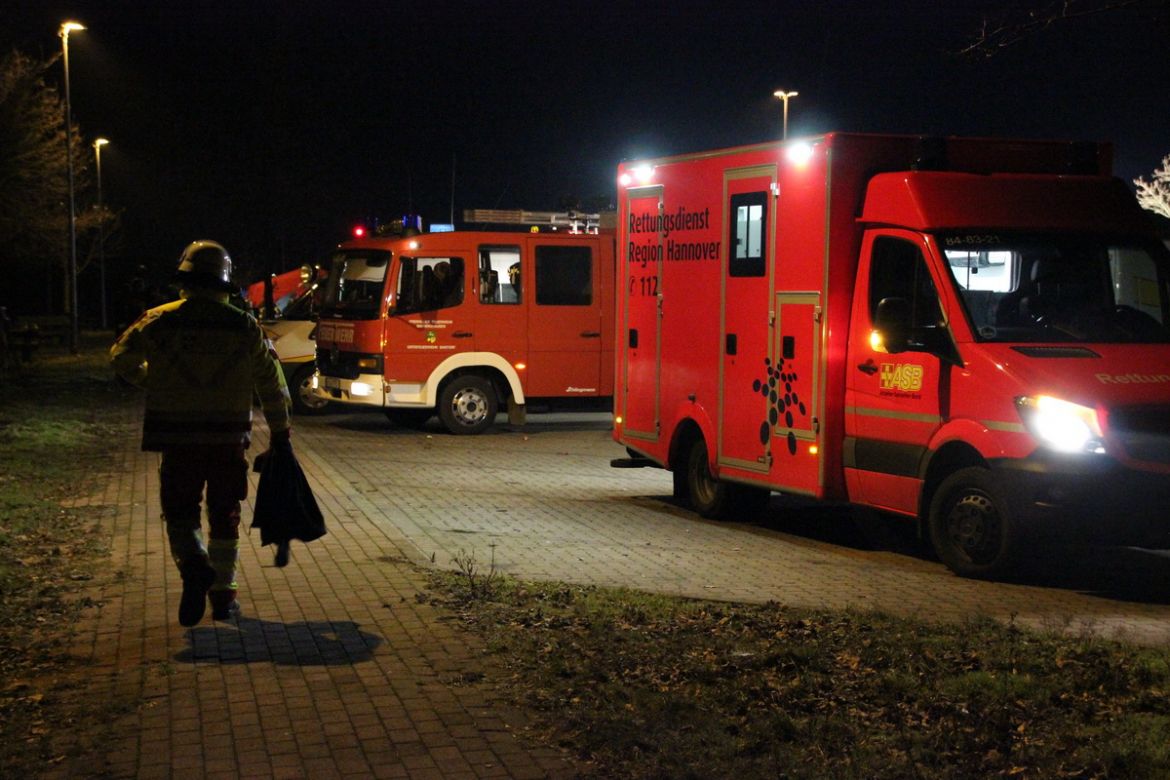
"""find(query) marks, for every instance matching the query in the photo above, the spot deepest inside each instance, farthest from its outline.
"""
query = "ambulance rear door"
(639, 317)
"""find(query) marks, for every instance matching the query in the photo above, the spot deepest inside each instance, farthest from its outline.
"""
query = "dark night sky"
(274, 127)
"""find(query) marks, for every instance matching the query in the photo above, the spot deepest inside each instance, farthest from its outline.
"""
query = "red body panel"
(777, 369)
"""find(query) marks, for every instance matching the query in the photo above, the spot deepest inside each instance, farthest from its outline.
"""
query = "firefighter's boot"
(197, 577)
(224, 555)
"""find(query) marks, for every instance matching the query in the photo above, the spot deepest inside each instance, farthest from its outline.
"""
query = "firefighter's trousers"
(183, 474)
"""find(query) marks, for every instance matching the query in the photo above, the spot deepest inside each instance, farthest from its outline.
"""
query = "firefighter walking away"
(200, 360)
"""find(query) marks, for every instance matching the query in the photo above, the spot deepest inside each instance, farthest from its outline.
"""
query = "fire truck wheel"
(971, 525)
(301, 389)
(409, 418)
(468, 405)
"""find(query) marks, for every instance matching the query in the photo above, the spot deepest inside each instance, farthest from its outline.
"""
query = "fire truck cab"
(468, 323)
(971, 332)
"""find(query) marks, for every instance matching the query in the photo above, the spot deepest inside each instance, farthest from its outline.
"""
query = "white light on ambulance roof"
(639, 174)
(799, 153)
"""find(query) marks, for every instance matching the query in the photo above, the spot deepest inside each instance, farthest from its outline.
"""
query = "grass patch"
(644, 686)
(57, 417)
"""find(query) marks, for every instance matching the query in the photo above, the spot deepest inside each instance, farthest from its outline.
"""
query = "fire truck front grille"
(1144, 432)
(332, 362)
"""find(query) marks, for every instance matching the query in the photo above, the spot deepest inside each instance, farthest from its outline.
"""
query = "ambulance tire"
(468, 405)
(972, 528)
(304, 402)
(708, 495)
(713, 498)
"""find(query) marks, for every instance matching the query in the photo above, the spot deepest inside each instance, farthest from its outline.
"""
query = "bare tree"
(33, 183)
(1154, 195)
(1014, 24)
(33, 174)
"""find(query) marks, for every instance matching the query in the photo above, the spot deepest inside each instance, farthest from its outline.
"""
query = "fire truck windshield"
(1041, 288)
(354, 287)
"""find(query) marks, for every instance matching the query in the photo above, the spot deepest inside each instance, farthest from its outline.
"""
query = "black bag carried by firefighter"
(285, 506)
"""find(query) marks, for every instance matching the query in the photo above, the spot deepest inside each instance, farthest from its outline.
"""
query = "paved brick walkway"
(338, 669)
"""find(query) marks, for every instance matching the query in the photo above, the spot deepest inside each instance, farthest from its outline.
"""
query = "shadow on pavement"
(249, 640)
(555, 422)
(1116, 573)
(1126, 574)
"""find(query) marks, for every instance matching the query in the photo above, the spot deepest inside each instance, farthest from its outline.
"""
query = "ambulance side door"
(894, 401)
(745, 435)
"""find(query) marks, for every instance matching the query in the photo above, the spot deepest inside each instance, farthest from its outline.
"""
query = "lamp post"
(74, 333)
(98, 143)
(784, 96)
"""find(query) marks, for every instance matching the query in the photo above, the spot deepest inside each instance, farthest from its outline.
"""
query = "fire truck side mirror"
(892, 321)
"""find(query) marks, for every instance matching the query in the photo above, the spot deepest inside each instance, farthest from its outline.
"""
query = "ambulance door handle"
(591, 334)
(868, 367)
(732, 345)
(461, 334)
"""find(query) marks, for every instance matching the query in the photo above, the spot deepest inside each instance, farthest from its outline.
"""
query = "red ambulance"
(465, 324)
(969, 332)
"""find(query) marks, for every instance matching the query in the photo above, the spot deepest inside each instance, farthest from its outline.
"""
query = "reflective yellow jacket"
(201, 361)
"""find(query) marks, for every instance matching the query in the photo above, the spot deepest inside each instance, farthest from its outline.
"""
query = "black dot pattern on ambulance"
(784, 403)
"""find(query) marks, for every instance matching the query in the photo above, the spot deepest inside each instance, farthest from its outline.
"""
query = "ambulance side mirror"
(892, 321)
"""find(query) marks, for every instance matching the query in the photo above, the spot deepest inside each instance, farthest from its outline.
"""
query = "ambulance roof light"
(799, 153)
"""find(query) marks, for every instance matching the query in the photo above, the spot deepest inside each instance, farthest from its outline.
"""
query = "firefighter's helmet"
(205, 264)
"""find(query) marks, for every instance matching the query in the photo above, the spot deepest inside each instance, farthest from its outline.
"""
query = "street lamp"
(784, 96)
(98, 143)
(74, 333)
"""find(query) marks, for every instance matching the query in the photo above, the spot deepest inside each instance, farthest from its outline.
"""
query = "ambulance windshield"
(354, 287)
(1039, 288)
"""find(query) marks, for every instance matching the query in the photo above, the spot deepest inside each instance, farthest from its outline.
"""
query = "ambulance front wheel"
(972, 527)
(468, 405)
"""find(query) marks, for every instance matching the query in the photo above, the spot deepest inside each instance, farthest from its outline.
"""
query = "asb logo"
(906, 377)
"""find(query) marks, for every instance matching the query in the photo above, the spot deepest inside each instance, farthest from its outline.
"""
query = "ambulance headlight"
(1060, 425)
(360, 389)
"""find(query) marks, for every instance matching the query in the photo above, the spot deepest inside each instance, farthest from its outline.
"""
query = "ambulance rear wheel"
(708, 495)
(712, 497)
(972, 528)
(468, 405)
(300, 386)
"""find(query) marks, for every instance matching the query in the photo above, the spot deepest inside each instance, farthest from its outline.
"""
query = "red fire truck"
(466, 323)
(973, 333)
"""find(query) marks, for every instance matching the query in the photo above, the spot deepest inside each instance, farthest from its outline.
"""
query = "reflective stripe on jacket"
(201, 361)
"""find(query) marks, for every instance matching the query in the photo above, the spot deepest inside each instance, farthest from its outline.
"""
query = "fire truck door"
(431, 319)
(564, 321)
(745, 332)
(641, 353)
(894, 402)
